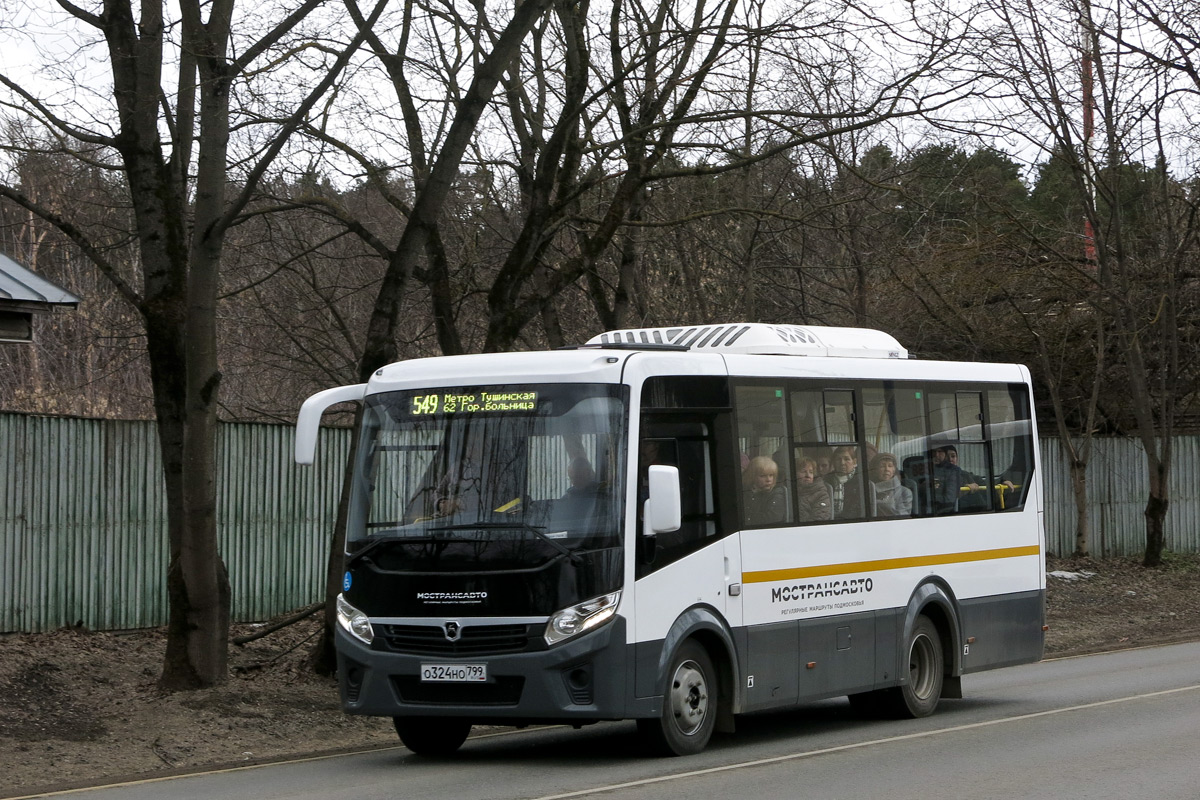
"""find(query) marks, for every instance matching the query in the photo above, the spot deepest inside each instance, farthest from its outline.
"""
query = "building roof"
(20, 285)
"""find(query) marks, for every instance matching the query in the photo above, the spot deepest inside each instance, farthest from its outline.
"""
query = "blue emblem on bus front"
(346, 582)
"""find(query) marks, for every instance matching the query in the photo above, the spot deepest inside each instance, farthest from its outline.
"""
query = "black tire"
(918, 696)
(432, 736)
(689, 706)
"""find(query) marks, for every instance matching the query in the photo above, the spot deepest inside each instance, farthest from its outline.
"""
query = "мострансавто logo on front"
(452, 597)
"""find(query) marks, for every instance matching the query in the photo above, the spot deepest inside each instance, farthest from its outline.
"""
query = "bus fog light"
(353, 621)
(582, 617)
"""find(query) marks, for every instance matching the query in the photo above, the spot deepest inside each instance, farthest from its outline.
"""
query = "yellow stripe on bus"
(766, 576)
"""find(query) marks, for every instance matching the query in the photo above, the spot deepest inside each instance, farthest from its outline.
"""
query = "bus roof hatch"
(764, 339)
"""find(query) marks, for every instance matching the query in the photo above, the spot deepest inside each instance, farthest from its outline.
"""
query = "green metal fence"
(83, 534)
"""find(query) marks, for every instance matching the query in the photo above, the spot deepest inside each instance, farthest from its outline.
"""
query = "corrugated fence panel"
(83, 516)
(1056, 495)
(1183, 515)
(1117, 488)
(275, 518)
(83, 534)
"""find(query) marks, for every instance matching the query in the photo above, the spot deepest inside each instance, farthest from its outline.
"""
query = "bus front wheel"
(432, 736)
(689, 707)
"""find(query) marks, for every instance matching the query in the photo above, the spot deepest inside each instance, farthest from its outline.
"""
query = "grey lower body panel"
(579, 681)
(795, 662)
(788, 663)
(1007, 630)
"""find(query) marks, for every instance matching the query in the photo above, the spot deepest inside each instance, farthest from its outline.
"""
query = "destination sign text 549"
(452, 402)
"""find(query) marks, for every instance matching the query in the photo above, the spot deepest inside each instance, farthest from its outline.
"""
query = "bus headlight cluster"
(353, 621)
(582, 617)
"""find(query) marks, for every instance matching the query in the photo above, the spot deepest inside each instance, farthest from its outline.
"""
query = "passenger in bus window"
(824, 461)
(950, 480)
(851, 498)
(892, 498)
(952, 459)
(812, 492)
(766, 500)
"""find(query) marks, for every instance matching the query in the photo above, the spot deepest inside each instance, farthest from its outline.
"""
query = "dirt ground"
(79, 708)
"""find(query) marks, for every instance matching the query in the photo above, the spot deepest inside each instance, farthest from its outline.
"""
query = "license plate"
(454, 673)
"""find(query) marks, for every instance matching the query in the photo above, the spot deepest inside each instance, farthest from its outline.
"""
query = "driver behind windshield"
(582, 479)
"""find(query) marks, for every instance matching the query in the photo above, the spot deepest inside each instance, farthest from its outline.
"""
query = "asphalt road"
(1120, 725)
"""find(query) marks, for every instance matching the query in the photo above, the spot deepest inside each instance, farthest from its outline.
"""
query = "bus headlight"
(582, 617)
(354, 621)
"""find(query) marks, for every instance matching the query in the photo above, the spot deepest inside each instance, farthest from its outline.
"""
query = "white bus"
(681, 525)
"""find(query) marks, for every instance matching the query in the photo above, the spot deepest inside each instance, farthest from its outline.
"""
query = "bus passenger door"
(693, 566)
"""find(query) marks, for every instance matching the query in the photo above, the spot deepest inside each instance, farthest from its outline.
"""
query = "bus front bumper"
(579, 681)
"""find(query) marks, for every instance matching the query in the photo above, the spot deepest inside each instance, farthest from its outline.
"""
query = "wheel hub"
(689, 697)
(922, 667)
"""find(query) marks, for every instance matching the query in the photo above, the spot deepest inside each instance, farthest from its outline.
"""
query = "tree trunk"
(1082, 521)
(1156, 518)
(198, 591)
(165, 346)
(442, 296)
(552, 325)
(631, 260)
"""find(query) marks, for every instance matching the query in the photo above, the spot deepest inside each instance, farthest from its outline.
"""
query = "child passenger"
(766, 500)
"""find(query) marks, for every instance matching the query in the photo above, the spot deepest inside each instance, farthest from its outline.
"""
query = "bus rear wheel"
(919, 695)
(432, 736)
(689, 708)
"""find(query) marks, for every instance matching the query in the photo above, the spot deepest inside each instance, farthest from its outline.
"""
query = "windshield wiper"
(513, 526)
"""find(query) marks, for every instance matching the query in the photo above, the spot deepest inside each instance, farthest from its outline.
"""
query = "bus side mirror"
(308, 423)
(664, 513)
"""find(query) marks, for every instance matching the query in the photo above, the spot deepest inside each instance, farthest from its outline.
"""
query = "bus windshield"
(490, 478)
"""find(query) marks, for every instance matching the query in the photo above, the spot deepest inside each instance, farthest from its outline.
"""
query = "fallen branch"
(283, 623)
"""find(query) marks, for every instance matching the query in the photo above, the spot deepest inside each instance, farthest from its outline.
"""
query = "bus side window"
(894, 425)
(852, 495)
(762, 439)
(1011, 439)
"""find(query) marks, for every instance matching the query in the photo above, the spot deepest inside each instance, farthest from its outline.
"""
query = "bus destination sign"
(473, 402)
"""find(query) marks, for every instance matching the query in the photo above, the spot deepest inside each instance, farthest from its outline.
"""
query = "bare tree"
(171, 146)
(1137, 228)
